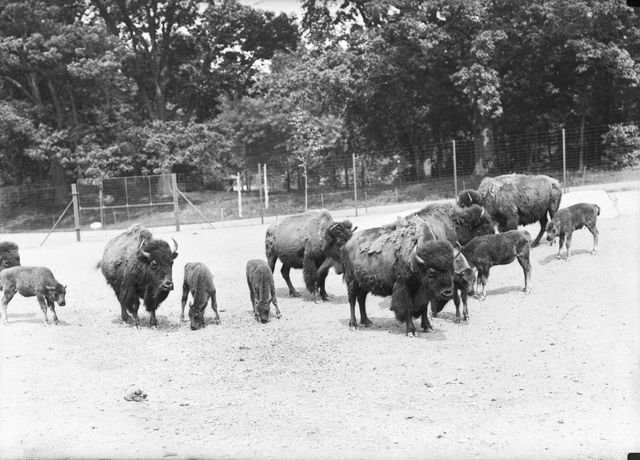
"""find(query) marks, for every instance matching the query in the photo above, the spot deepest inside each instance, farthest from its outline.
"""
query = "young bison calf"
(261, 289)
(483, 252)
(574, 218)
(463, 280)
(29, 282)
(198, 281)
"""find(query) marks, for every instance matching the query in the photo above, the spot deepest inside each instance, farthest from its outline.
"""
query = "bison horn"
(482, 213)
(354, 229)
(415, 256)
(142, 252)
(469, 196)
(175, 245)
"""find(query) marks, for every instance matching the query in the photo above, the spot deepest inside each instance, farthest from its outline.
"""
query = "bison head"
(57, 294)
(9, 256)
(552, 230)
(433, 262)
(158, 263)
(467, 198)
(335, 238)
(464, 277)
(263, 310)
(471, 222)
(196, 316)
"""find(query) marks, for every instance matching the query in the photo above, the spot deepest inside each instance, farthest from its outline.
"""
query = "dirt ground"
(554, 374)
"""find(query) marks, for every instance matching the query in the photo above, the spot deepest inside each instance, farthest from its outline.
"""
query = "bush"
(622, 146)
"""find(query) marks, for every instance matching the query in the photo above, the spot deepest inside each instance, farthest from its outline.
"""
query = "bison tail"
(98, 265)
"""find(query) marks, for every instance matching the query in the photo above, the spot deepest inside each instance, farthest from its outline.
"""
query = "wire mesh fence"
(357, 180)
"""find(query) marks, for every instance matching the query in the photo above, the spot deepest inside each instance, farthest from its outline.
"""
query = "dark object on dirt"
(29, 282)
(574, 218)
(517, 199)
(410, 260)
(463, 281)
(137, 396)
(467, 222)
(198, 281)
(137, 266)
(483, 252)
(261, 289)
(9, 255)
(307, 241)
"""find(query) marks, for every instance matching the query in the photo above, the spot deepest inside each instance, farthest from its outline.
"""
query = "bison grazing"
(467, 222)
(573, 218)
(307, 241)
(261, 289)
(29, 282)
(9, 256)
(137, 266)
(198, 281)
(516, 199)
(463, 281)
(483, 252)
(410, 260)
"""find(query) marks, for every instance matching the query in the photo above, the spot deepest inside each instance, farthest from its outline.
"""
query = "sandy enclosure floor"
(555, 374)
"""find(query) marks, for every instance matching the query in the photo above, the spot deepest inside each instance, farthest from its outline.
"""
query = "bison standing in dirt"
(137, 266)
(307, 241)
(517, 199)
(409, 260)
(574, 218)
(198, 281)
(9, 256)
(262, 290)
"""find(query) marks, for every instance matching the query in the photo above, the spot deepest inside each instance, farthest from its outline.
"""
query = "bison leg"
(352, 294)
(543, 228)
(43, 306)
(568, 244)
(465, 311)
(153, 322)
(285, 274)
(322, 276)
(52, 307)
(6, 298)
(183, 301)
(410, 326)
(560, 244)
(523, 260)
(214, 306)
(424, 321)
(456, 301)
(595, 233)
(274, 301)
(362, 297)
(130, 311)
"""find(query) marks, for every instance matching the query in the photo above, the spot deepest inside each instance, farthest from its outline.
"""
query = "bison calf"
(29, 282)
(198, 281)
(261, 289)
(483, 252)
(463, 281)
(573, 218)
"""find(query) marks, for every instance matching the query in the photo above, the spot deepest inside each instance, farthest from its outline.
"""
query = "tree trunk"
(482, 142)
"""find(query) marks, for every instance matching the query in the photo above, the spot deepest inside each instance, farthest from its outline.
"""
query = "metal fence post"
(306, 190)
(260, 189)
(564, 162)
(76, 210)
(266, 187)
(455, 169)
(176, 205)
(239, 195)
(355, 184)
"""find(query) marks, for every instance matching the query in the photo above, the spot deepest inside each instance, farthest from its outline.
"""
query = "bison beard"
(138, 267)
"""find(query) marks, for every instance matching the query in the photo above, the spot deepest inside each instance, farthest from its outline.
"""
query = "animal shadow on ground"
(552, 257)
(451, 317)
(164, 324)
(283, 293)
(391, 326)
(33, 318)
(503, 290)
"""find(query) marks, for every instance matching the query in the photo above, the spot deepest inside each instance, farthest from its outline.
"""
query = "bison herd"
(439, 253)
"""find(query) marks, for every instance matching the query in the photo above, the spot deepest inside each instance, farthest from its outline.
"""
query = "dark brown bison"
(9, 255)
(307, 241)
(198, 281)
(517, 199)
(464, 279)
(467, 222)
(409, 260)
(483, 252)
(29, 282)
(137, 266)
(574, 218)
(262, 290)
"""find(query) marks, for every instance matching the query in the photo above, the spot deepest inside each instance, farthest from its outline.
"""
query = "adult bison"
(9, 256)
(466, 223)
(308, 241)
(517, 199)
(137, 266)
(409, 260)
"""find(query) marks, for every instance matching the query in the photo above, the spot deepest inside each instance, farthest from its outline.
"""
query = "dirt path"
(554, 374)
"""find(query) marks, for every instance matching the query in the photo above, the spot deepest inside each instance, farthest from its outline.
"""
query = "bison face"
(262, 311)
(335, 238)
(57, 294)
(465, 280)
(158, 260)
(9, 261)
(552, 230)
(196, 316)
(433, 262)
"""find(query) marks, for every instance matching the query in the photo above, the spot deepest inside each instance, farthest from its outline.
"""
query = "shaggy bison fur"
(312, 241)
(574, 218)
(517, 199)
(262, 290)
(409, 260)
(198, 281)
(29, 282)
(137, 266)
(9, 255)
(483, 252)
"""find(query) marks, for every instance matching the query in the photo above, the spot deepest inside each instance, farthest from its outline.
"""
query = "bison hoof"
(457, 320)
(366, 323)
(354, 325)
(534, 244)
(294, 293)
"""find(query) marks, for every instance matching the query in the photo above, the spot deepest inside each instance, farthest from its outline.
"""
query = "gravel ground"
(552, 374)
